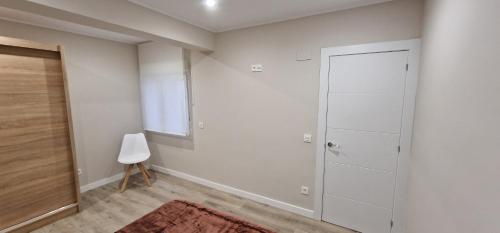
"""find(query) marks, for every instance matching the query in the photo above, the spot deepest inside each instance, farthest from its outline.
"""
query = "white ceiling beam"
(121, 17)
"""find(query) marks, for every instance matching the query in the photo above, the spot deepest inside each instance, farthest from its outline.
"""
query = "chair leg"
(144, 173)
(125, 179)
(147, 172)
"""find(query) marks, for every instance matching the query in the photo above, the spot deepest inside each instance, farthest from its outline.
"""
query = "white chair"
(134, 151)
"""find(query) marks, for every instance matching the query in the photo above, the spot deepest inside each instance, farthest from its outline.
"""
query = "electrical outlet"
(304, 190)
(201, 125)
(80, 171)
(307, 138)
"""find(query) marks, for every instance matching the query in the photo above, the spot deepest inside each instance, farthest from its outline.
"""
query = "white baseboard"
(101, 182)
(105, 181)
(238, 192)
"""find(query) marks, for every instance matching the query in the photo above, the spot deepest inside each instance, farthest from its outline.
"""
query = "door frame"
(401, 188)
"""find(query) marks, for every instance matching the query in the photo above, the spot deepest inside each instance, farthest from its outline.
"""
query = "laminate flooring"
(105, 209)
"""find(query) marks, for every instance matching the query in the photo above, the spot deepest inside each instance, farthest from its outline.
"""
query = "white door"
(365, 105)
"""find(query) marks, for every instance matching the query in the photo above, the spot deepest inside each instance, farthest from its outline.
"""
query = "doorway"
(367, 100)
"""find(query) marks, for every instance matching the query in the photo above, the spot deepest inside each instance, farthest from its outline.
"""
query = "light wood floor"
(106, 209)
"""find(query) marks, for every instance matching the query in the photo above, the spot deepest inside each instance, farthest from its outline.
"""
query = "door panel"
(365, 103)
(362, 217)
(361, 69)
(378, 151)
(364, 184)
(365, 111)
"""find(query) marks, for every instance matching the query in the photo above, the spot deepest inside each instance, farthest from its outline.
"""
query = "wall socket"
(304, 190)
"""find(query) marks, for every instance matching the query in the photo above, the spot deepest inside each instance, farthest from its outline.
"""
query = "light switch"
(257, 68)
(201, 125)
(307, 138)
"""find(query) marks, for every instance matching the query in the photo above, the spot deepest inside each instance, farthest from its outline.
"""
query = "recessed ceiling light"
(210, 3)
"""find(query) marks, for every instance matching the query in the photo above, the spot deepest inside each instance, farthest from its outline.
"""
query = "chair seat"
(134, 149)
(133, 158)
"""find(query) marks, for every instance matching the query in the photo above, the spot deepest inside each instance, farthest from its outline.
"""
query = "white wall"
(454, 184)
(253, 139)
(104, 90)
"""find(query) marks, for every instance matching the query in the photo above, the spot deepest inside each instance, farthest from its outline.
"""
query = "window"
(164, 72)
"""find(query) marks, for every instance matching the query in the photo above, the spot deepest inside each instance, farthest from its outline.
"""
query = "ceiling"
(46, 22)
(234, 14)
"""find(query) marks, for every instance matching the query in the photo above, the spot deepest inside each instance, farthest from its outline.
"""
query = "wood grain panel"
(32, 83)
(47, 220)
(37, 173)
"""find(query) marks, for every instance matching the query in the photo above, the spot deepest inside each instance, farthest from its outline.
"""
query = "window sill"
(168, 134)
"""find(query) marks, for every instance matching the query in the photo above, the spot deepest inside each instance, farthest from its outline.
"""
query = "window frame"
(186, 58)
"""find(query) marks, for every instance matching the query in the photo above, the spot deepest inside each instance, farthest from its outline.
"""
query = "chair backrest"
(134, 143)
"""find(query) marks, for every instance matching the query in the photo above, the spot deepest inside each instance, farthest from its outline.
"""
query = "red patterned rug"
(186, 217)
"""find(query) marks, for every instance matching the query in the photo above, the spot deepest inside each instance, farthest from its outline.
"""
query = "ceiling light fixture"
(210, 3)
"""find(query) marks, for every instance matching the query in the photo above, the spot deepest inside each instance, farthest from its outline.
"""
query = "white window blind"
(164, 89)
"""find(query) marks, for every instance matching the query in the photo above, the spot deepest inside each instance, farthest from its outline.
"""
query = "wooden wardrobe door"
(36, 161)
